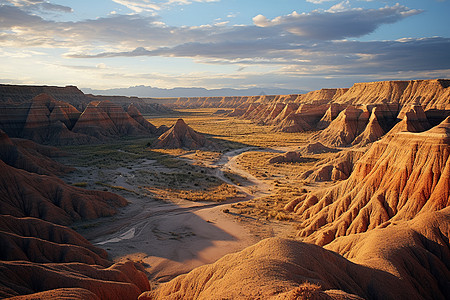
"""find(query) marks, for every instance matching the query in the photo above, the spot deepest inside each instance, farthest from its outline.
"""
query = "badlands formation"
(372, 219)
(180, 135)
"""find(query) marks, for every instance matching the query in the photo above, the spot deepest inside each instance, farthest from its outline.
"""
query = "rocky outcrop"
(95, 122)
(401, 175)
(137, 116)
(293, 123)
(105, 120)
(331, 114)
(413, 119)
(322, 96)
(343, 130)
(316, 148)
(373, 131)
(431, 94)
(40, 259)
(180, 135)
(275, 110)
(337, 167)
(263, 271)
(50, 121)
(288, 109)
(24, 93)
(148, 106)
(288, 157)
(123, 122)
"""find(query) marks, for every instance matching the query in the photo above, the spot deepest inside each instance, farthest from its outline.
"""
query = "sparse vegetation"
(219, 193)
(233, 133)
(116, 187)
(80, 184)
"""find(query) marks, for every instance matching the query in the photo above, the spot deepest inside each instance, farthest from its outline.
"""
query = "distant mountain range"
(153, 92)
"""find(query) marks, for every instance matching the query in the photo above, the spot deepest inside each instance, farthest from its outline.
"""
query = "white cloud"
(261, 21)
(318, 1)
(140, 6)
(338, 22)
(342, 6)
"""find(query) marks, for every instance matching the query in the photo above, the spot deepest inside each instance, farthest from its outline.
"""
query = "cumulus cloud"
(338, 22)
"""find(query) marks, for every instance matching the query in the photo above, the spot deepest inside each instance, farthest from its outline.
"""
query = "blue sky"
(303, 45)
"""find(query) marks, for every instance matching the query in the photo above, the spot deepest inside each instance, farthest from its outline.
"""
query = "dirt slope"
(408, 260)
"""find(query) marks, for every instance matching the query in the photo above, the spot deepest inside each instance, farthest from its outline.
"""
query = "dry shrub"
(306, 291)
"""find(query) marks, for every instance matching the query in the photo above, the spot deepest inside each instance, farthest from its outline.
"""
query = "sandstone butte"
(180, 135)
(50, 121)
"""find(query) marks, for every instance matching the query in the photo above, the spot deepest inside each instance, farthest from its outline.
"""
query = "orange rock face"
(288, 109)
(413, 119)
(180, 135)
(402, 175)
(293, 123)
(343, 130)
(428, 93)
(373, 131)
(338, 167)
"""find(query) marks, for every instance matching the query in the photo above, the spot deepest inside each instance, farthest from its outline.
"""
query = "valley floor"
(190, 208)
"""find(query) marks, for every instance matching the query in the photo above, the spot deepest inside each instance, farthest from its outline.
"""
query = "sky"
(291, 44)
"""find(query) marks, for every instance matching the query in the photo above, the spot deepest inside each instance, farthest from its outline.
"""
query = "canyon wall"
(431, 94)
